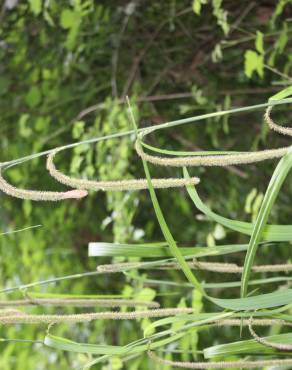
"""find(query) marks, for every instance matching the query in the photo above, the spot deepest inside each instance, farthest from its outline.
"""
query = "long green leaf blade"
(270, 232)
(268, 300)
(158, 250)
(246, 346)
(271, 194)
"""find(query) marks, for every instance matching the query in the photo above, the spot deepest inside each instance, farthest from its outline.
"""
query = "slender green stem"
(272, 192)
(142, 130)
(49, 281)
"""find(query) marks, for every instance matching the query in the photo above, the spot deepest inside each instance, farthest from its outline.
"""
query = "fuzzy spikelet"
(256, 322)
(232, 268)
(212, 160)
(278, 346)
(35, 195)
(86, 317)
(57, 302)
(221, 365)
(117, 267)
(274, 126)
(118, 185)
(229, 268)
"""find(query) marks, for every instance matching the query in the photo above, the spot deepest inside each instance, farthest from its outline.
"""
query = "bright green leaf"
(24, 130)
(253, 62)
(197, 6)
(69, 18)
(259, 42)
(35, 6)
(33, 97)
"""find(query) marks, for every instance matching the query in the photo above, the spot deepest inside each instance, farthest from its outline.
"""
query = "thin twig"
(23, 287)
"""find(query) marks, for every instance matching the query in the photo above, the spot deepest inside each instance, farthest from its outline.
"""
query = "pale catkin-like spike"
(212, 160)
(78, 302)
(230, 268)
(221, 364)
(10, 311)
(86, 317)
(117, 185)
(35, 195)
(263, 341)
(256, 322)
(117, 267)
(274, 126)
(4, 314)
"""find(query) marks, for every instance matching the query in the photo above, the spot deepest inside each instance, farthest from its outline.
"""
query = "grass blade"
(271, 194)
(269, 300)
(157, 250)
(270, 232)
(246, 346)
(161, 220)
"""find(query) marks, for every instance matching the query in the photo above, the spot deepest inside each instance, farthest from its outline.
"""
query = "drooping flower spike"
(220, 160)
(258, 364)
(36, 195)
(117, 185)
(274, 126)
